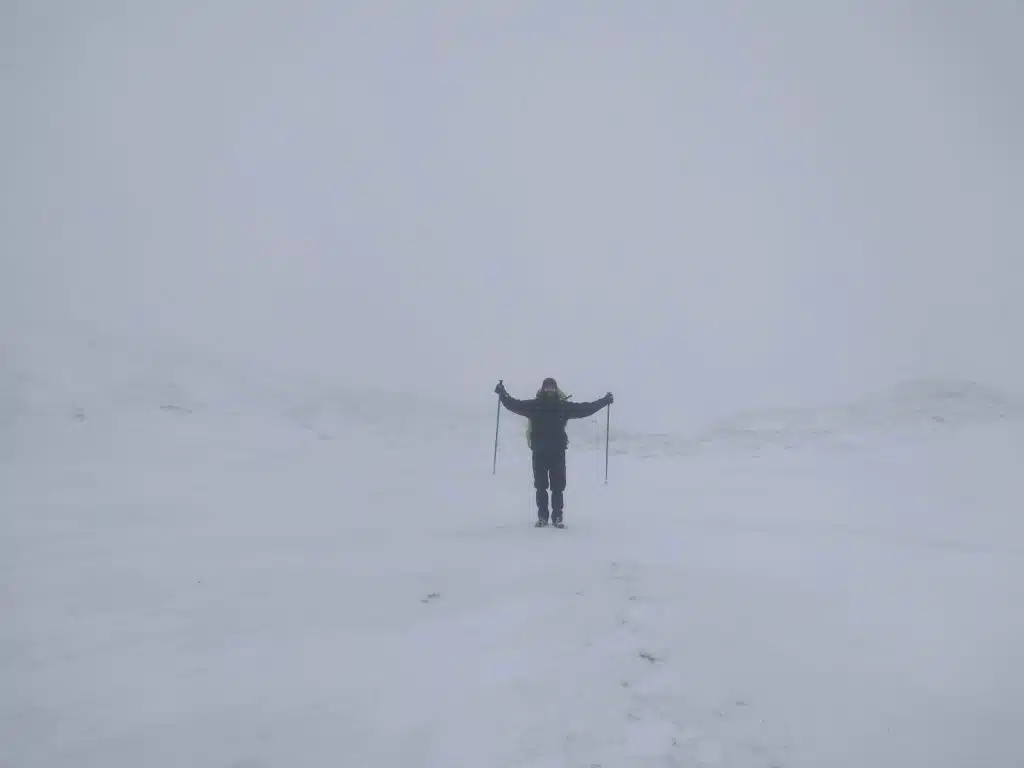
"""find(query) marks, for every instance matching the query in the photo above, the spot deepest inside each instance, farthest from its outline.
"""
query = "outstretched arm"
(582, 410)
(518, 407)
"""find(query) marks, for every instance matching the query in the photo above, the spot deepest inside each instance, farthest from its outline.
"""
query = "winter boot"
(542, 506)
(557, 503)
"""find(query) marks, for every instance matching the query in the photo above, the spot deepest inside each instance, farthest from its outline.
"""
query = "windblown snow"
(210, 567)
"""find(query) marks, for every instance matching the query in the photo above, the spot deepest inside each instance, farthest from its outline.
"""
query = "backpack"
(529, 424)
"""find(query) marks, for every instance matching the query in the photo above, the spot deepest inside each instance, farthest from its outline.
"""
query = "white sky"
(702, 207)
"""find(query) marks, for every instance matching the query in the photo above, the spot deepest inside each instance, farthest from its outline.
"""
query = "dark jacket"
(548, 417)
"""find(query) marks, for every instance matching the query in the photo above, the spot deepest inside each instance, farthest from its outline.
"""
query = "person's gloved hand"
(500, 389)
(609, 398)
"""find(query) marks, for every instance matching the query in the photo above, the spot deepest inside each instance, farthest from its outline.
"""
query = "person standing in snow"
(548, 413)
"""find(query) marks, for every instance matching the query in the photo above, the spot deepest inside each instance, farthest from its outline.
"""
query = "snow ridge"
(63, 383)
(914, 410)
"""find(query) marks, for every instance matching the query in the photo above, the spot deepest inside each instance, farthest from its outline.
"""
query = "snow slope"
(207, 567)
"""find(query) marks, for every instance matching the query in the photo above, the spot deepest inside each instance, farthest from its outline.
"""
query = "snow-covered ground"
(205, 569)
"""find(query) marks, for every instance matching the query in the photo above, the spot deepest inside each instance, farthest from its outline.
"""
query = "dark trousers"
(549, 470)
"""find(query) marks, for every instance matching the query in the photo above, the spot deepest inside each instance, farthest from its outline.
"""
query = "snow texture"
(210, 567)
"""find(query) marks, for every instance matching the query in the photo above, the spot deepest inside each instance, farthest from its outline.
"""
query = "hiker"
(548, 413)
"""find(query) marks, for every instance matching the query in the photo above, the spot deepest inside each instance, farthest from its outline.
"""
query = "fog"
(701, 207)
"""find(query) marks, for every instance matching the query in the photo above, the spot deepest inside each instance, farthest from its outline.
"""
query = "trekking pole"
(497, 423)
(607, 440)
